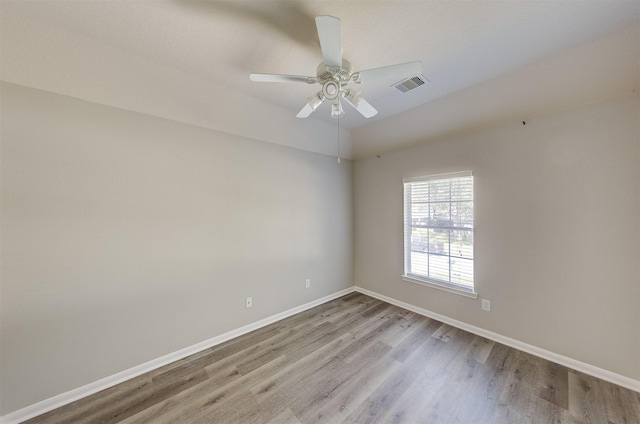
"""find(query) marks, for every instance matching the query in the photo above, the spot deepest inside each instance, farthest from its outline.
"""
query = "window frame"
(408, 225)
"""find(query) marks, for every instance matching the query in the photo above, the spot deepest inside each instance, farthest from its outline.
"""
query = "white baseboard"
(585, 368)
(104, 383)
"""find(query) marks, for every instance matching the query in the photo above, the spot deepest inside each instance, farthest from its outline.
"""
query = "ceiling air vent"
(411, 83)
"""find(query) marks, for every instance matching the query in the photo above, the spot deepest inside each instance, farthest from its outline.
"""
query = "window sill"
(441, 286)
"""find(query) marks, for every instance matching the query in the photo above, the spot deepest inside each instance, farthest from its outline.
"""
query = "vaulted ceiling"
(487, 62)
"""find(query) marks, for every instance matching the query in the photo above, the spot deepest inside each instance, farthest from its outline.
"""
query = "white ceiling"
(477, 55)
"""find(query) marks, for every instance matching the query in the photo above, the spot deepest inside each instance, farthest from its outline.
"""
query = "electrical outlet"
(248, 303)
(486, 305)
(307, 283)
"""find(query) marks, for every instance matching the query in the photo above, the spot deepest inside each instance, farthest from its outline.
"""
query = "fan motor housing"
(325, 73)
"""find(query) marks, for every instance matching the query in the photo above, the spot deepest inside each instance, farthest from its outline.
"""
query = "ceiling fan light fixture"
(315, 101)
(336, 110)
(352, 96)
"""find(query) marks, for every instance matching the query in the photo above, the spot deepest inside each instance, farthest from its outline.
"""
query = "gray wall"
(127, 237)
(557, 244)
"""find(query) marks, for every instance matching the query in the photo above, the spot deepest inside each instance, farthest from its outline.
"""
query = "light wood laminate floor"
(357, 360)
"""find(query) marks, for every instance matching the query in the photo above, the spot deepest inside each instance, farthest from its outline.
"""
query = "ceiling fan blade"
(396, 72)
(282, 78)
(330, 35)
(363, 106)
(305, 111)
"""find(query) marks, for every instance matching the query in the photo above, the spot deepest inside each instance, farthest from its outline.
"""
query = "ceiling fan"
(334, 74)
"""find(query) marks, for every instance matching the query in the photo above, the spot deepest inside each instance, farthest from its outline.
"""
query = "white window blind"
(438, 230)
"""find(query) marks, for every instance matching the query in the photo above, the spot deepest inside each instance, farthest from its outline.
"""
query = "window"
(438, 231)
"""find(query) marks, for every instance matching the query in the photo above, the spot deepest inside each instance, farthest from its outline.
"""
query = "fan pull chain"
(338, 139)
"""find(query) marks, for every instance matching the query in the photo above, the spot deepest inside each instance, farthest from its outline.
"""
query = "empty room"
(292, 212)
